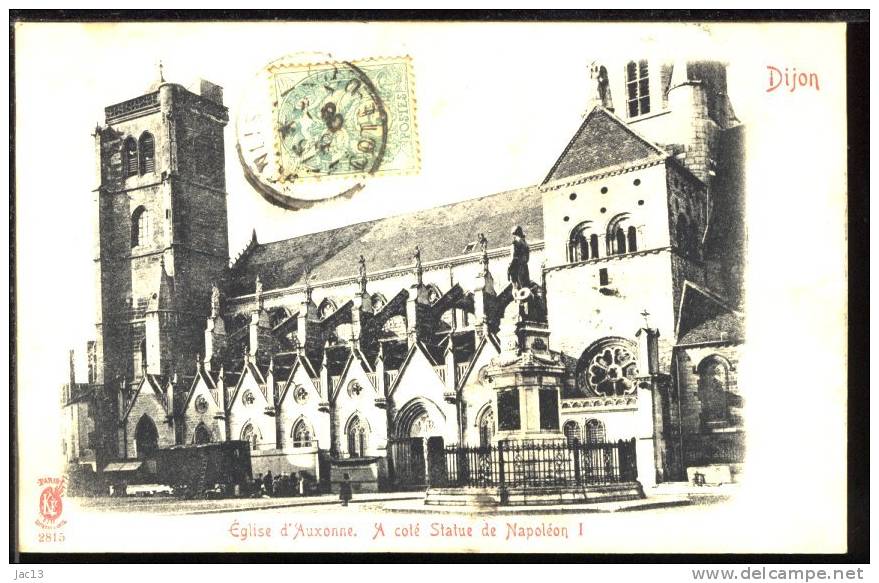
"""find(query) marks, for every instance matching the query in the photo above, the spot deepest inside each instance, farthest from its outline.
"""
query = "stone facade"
(357, 342)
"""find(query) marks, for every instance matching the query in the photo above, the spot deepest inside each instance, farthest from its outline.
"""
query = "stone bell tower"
(162, 228)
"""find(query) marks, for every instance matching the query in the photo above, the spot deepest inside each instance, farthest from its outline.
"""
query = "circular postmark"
(332, 122)
(308, 131)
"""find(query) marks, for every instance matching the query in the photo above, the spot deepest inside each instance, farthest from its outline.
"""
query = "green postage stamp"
(343, 119)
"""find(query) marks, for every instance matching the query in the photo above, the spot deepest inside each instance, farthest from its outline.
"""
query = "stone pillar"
(214, 342)
(261, 340)
(484, 298)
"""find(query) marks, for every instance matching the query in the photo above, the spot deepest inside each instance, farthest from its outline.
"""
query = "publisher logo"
(50, 503)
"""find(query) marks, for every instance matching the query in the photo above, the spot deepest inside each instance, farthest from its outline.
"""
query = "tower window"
(129, 157)
(141, 227)
(603, 277)
(583, 244)
(637, 88)
(622, 236)
(632, 239)
(147, 153)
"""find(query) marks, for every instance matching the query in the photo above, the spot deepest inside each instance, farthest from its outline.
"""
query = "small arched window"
(572, 432)
(326, 308)
(146, 437)
(683, 234)
(357, 442)
(486, 427)
(249, 435)
(201, 435)
(147, 153)
(301, 434)
(595, 431)
(129, 157)
(583, 243)
(713, 389)
(622, 236)
(141, 227)
(632, 238)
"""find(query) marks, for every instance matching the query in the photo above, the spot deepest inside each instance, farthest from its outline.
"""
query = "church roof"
(706, 318)
(603, 140)
(439, 232)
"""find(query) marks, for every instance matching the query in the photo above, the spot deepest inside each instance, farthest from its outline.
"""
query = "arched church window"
(250, 435)
(608, 368)
(622, 236)
(146, 437)
(620, 240)
(378, 302)
(129, 157)
(486, 427)
(595, 432)
(583, 243)
(201, 435)
(572, 432)
(141, 227)
(326, 308)
(632, 238)
(301, 434)
(357, 438)
(637, 88)
(147, 153)
(713, 389)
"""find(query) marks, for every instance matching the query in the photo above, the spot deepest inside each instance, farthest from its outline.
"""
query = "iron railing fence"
(541, 464)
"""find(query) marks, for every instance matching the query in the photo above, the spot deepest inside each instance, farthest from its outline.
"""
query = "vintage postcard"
(430, 287)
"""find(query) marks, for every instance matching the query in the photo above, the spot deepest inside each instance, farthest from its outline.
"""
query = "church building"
(358, 344)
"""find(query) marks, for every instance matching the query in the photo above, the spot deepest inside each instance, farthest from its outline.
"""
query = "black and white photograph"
(430, 287)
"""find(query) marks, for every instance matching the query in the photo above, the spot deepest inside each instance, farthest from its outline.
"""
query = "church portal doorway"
(408, 450)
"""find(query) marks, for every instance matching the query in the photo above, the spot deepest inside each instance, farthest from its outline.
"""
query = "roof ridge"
(525, 189)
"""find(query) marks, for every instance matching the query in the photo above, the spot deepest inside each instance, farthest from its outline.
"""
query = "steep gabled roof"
(603, 140)
(705, 318)
(439, 232)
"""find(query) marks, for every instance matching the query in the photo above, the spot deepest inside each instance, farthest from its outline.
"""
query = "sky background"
(496, 104)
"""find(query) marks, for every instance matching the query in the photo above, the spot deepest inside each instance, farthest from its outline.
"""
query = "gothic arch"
(146, 436)
(250, 433)
(420, 416)
(302, 432)
(326, 308)
(357, 435)
(202, 434)
(433, 293)
(486, 423)
(378, 302)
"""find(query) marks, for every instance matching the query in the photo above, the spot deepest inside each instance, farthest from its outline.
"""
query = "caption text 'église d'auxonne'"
(507, 530)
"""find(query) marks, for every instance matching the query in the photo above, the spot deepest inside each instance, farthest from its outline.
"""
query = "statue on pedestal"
(517, 272)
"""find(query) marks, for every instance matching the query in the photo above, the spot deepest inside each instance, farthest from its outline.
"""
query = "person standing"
(345, 493)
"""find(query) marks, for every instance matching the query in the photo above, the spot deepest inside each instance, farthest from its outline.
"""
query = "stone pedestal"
(526, 377)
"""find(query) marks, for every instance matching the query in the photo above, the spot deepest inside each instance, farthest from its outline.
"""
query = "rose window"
(609, 371)
(248, 398)
(300, 394)
(201, 404)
